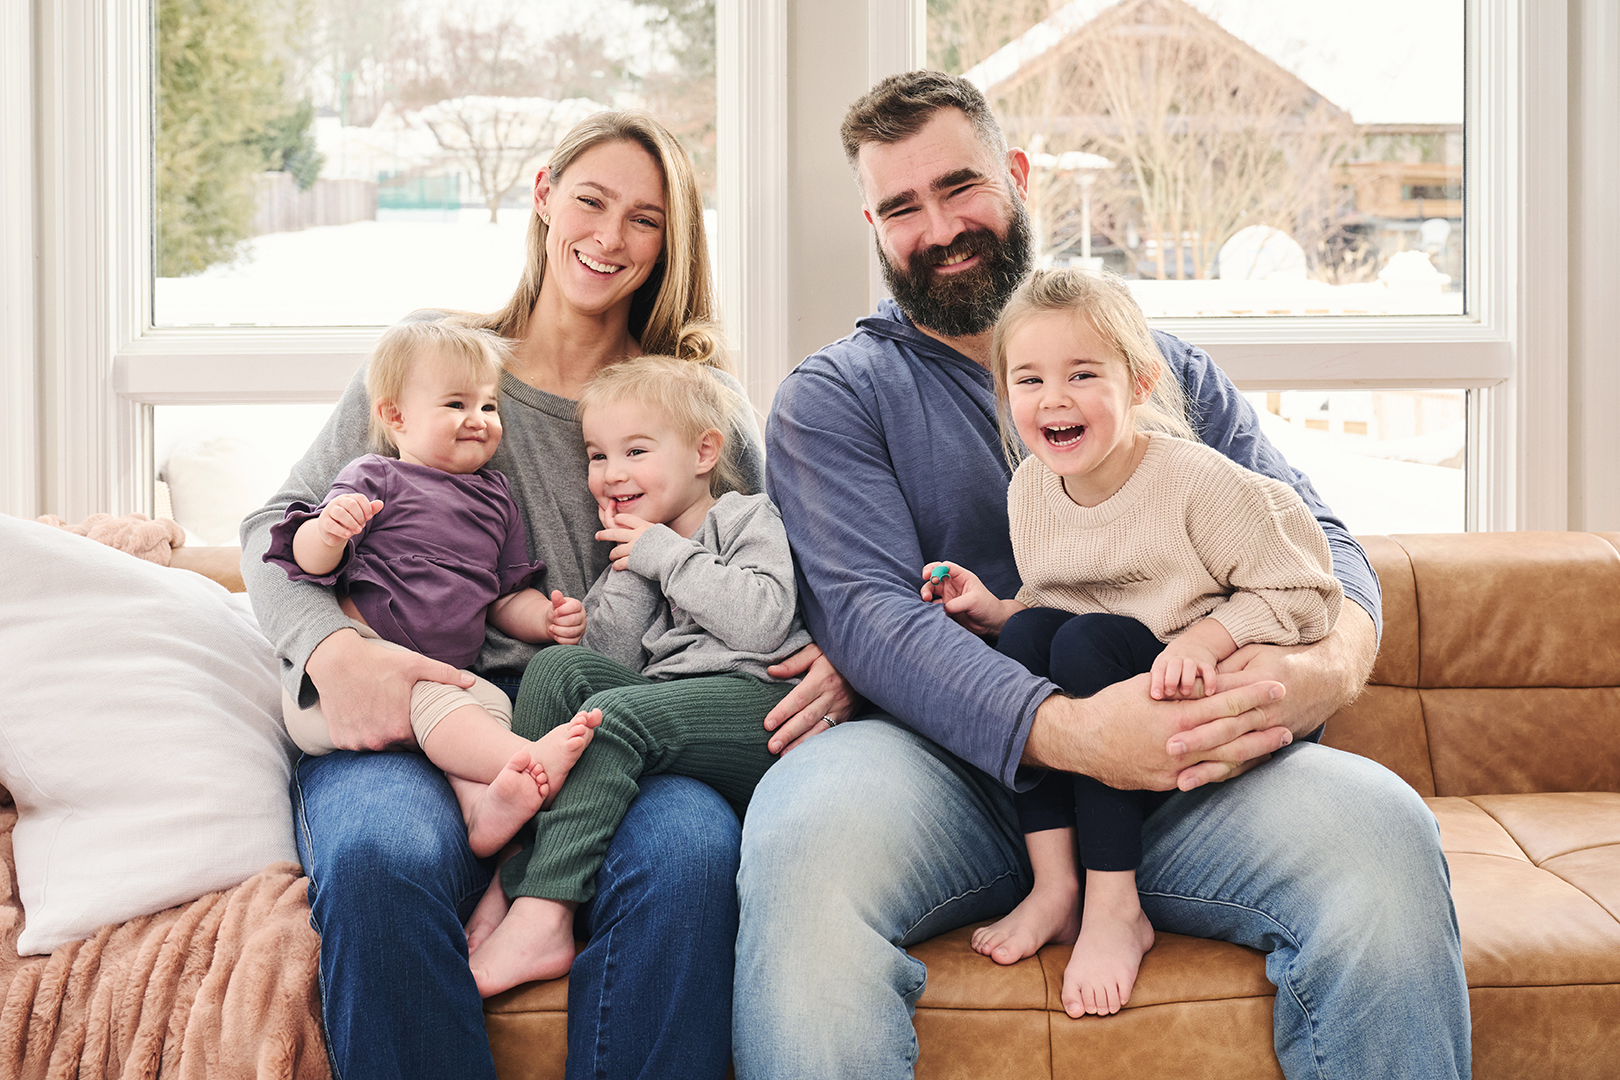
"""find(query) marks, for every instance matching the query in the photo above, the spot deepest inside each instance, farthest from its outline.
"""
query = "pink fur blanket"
(222, 987)
(134, 533)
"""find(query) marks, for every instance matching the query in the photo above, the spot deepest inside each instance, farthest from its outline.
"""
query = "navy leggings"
(1083, 654)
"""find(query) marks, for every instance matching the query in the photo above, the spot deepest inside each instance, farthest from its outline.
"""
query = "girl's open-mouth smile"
(1065, 435)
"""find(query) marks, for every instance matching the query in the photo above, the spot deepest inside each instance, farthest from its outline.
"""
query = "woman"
(617, 266)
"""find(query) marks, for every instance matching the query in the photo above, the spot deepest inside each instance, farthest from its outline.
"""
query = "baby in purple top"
(424, 549)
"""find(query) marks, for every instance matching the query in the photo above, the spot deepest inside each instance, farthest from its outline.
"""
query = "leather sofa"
(1496, 695)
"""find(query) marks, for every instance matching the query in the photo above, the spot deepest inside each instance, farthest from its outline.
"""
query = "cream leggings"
(430, 703)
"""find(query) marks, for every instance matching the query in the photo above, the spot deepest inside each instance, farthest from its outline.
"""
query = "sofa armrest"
(223, 564)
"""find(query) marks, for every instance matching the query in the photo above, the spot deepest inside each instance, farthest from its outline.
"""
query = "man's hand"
(365, 689)
(1321, 678)
(967, 599)
(1127, 740)
(822, 693)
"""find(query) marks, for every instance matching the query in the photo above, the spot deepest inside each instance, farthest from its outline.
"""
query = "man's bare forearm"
(1321, 678)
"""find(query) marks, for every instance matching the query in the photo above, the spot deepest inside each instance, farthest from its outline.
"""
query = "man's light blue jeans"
(869, 838)
(391, 879)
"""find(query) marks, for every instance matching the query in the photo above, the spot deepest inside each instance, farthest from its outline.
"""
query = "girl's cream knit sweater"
(1189, 535)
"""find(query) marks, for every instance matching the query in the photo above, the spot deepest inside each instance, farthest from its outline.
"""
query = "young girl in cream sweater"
(1140, 550)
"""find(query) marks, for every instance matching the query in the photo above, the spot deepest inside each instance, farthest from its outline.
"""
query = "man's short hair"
(902, 105)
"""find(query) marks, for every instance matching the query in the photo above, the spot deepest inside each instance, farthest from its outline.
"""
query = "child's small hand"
(623, 530)
(1190, 657)
(345, 516)
(966, 598)
(1179, 667)
(567, 624)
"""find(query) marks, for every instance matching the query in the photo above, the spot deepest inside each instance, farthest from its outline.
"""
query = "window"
(80, 304)
(341, 163)
(1264, 158)
(1272, 178)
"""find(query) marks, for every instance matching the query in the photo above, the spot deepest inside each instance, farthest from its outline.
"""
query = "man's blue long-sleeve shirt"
(883, 453)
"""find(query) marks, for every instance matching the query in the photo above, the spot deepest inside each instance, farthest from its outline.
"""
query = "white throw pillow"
(140, 734)
(215, 483)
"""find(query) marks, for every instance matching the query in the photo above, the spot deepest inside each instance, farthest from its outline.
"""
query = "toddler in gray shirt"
(699, 601)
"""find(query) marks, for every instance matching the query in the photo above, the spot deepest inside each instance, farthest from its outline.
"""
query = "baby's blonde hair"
(1104, 301)
(478, 354)
(688, 394)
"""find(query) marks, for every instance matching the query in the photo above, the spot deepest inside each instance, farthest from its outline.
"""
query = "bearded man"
(884, 455)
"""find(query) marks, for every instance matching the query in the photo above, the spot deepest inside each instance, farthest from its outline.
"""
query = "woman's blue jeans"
(391, 879)
(869, 838)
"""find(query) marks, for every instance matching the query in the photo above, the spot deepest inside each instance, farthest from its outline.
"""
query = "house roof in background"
(1384, 61)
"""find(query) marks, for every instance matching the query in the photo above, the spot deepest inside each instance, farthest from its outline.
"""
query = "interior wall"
(1594, 249)
(19, 392)
(828, 238)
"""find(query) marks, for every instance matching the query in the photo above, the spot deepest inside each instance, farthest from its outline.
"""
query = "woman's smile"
(605, 229)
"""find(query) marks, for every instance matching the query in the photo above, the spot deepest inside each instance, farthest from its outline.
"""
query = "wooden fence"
(283, 208)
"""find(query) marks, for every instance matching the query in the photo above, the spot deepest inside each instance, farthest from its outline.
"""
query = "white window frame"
(77, 128)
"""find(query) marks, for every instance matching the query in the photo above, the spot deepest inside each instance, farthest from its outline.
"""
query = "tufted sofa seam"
(1538, 986)
(1540, 866)
(1417, 680)
(1505, 831)
(1599, 904)
(1574, 851)
(1489, 855)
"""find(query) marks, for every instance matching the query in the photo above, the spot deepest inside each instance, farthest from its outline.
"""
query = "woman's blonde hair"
(673, 312)
(1104, 301)
(477, 354)
(688, 395)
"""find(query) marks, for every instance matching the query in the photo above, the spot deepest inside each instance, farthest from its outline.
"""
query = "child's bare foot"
(1114, 936)
(535, 941)
(487, 915)
(558, 749)
(1050, 912)
(512, 798)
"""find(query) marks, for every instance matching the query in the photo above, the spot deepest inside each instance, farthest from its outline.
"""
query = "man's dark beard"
(960, 305)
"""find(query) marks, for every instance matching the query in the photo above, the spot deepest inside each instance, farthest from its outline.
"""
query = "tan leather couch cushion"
(1536, 881)
(1516, 609)
(1499, 670)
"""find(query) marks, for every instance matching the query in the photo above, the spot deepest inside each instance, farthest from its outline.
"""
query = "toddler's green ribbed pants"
(708, 727)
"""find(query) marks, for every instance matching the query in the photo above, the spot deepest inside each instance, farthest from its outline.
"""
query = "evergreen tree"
(222, 116)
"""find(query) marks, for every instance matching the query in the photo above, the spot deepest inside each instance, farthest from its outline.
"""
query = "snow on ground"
(1372, 495)
(368, 273)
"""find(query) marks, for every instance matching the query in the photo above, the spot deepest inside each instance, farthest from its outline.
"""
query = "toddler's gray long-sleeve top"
(723, 601)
